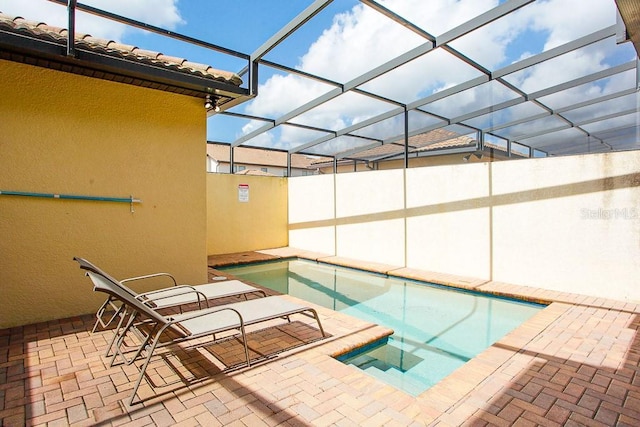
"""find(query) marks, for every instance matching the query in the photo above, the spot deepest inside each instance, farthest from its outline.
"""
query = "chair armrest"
(150, 276)
(171, 292)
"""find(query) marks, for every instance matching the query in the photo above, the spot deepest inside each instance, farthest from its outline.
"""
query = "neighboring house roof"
(430, 141)
(258, 156)
(19, 36)
(434, 140)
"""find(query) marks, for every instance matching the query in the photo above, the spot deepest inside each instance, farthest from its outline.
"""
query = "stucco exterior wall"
(69, 134)
(369, 209)
(570, 224)
(238, 226)
(448, 219)
(312, 204)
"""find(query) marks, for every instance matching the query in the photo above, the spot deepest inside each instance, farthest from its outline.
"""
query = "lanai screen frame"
(443, 41)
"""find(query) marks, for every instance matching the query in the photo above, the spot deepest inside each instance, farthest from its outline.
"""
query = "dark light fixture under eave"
(211, 104)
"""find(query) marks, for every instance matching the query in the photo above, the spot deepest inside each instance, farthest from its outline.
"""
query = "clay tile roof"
(170, 59)
(42, 31)
(120, 46)
(51, 29)
(146, 54)
(429, 141)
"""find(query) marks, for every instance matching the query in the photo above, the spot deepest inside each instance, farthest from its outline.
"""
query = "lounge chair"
(150, 326)
(174, 296)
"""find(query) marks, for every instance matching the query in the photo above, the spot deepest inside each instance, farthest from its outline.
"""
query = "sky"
(346, 40)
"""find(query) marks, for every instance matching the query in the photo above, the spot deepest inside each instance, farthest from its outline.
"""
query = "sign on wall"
(243, 193)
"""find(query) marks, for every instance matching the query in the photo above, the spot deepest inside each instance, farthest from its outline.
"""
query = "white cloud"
(299, 91)
(437, 17)
(357, 41)
(161, 13)
(361, 38)
(566, 20)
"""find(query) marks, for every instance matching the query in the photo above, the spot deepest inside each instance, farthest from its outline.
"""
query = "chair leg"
(315, 316)
(143, 368)
(116, 332)
(143, 338)
(103, 308)
(244, 342)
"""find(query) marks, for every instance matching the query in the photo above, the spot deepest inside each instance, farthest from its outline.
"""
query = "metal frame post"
(71, 33)
(406, 138)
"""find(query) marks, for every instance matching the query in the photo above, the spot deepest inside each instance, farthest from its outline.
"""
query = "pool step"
(396, 379)
(389, 364)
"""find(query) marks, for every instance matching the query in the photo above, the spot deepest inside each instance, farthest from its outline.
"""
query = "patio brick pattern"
(574, 363)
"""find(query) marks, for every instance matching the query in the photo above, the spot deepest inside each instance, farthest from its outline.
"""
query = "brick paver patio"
(574, 363)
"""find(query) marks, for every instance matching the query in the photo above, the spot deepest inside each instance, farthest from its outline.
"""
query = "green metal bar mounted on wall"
(131, 200)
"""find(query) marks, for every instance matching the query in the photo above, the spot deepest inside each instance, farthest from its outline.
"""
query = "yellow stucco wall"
(234, 226)
(69, 134)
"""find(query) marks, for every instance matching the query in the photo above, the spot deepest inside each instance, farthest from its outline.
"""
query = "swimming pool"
(436, 329)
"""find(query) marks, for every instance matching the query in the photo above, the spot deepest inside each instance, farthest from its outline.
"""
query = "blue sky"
(348, 39)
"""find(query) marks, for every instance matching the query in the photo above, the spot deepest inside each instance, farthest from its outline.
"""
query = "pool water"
(436, 329)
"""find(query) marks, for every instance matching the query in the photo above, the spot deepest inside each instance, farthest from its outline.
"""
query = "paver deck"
(574, 363)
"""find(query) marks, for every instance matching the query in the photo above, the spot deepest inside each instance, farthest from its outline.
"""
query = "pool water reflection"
(436, 329)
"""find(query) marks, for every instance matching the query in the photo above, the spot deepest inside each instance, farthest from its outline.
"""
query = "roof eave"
(89, 62)
(630, 14)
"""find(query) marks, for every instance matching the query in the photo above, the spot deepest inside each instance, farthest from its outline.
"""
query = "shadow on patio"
(581, 369)
(56, 372)
(572, 364)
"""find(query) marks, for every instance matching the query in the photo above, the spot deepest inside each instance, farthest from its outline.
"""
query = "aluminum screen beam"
(394, 63)
(576, 125)
(490, 109)
(465, 28)
(311, 11)
(534, 96)
(326, 81)
(448, 92)
(481, 20)
(351, 128)
(388, 66)
(71, 29)
(597, 100)
(521, 99)
(631, 65)
(422, 105)
(606, 117)
(399, 19)
(556, 51)
(148, 27)
(566, 109)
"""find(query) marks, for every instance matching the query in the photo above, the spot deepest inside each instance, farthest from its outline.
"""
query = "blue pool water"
(436, 330)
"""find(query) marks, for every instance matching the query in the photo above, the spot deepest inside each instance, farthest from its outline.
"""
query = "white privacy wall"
(370, 216)
(312, 213)
(448, 219)
(570, 224)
